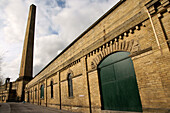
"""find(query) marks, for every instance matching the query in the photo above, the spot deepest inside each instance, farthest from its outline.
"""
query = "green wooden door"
(118, 84)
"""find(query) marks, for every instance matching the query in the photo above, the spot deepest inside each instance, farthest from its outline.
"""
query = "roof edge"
(81, 35)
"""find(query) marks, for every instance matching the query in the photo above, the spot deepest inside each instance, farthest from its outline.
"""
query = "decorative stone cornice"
(118, 43)
(70, 65)
(157, 6)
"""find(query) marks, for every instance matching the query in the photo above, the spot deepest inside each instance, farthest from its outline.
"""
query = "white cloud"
(47, 48)
(11, 69)
(58, 23)
(15, 16)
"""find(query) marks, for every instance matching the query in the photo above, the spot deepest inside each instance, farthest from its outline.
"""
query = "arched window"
(70, 85)
(42, 91)
(51, 89)
(35, 93)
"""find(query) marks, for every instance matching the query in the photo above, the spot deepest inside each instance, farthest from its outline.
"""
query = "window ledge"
(72, 97)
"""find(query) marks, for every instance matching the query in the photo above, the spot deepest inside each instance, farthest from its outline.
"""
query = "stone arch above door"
(126, 46)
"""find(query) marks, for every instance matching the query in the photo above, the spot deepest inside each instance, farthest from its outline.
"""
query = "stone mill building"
(120, 63)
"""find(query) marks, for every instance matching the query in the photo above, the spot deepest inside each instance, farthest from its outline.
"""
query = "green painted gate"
(118, 84)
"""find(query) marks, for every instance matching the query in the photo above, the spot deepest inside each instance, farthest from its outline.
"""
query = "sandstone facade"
(125, 27)
(140, 27)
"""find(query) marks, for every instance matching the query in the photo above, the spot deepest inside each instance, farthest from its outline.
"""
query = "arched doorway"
(118, 86)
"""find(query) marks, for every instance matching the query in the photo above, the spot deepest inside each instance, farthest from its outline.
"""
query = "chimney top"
(32, 5)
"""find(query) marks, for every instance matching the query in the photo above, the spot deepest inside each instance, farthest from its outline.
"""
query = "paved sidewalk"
(5, 108)
(27, 108)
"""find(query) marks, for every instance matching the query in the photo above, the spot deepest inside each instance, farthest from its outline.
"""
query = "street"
(13, 107)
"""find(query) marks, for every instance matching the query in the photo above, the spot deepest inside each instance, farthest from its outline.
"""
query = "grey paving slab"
(27, 108)
(5, 108)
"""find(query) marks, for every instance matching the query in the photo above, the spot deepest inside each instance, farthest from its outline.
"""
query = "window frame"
(35, 93)
(42, 89)
(52, 89)
(70, 85)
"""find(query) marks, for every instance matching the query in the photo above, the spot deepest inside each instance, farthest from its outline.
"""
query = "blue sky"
(58, 23)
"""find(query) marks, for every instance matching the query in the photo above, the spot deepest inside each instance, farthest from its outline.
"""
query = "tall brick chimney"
(26, 68)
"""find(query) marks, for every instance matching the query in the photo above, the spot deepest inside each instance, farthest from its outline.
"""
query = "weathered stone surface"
(126, 27)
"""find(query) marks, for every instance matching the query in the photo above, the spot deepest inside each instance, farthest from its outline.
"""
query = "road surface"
(13, 107)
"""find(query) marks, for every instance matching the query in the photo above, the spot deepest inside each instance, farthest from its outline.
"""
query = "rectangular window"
(35, 93)
(42, 91)
(51, 89)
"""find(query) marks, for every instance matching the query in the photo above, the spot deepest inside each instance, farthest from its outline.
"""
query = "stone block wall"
(126, 27)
